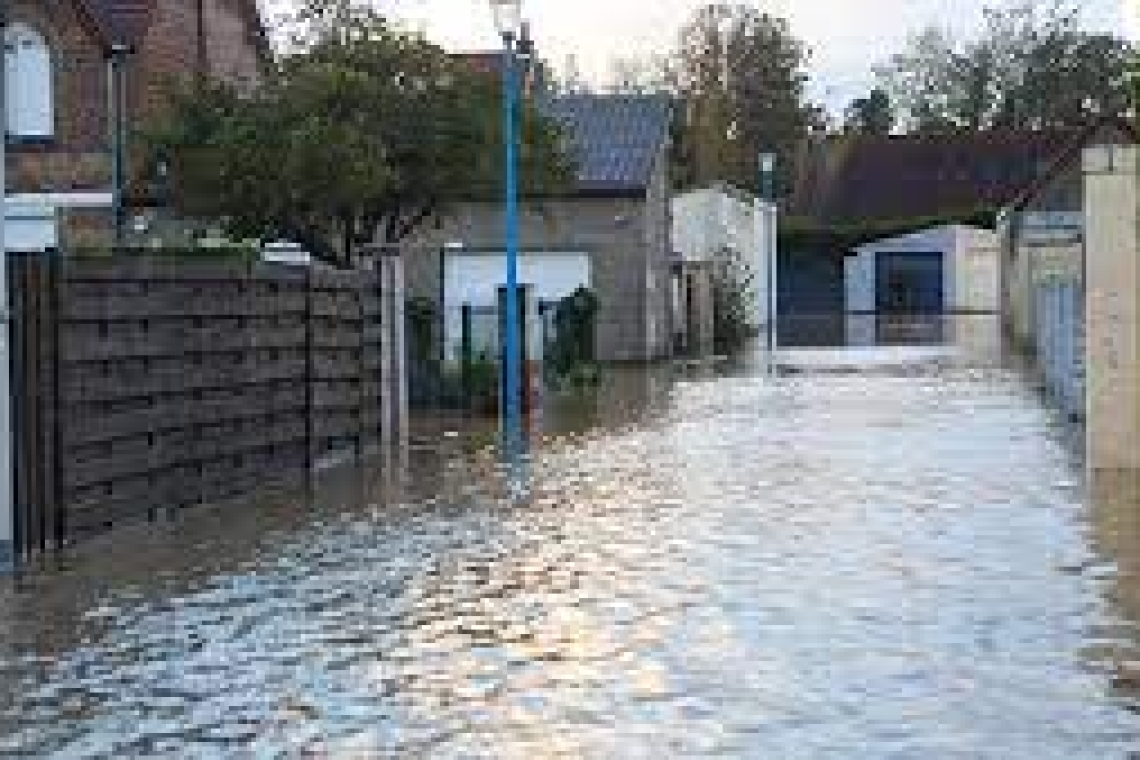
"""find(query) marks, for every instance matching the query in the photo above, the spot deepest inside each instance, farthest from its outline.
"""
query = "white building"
(942, 270)
(722, 221)
(911, 282)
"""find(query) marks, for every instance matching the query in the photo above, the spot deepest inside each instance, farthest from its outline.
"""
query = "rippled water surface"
(871, 560)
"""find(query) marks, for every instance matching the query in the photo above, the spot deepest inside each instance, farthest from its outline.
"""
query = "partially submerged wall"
(1112, 309)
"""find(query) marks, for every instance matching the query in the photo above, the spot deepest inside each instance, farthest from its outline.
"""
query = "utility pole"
(7, 478)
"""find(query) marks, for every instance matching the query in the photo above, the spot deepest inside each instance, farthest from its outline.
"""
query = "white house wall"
(711, 220)
(976, 269)
(971, 274)
(475, 279)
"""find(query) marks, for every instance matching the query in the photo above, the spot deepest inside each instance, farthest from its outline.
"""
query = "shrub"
(733, 298)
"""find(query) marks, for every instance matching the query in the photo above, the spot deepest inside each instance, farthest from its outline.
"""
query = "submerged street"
(875, 555)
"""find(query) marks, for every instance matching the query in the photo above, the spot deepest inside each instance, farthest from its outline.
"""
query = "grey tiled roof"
(615, 139)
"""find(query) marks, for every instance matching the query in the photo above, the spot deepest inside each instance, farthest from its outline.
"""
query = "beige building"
(1047, 264)
(1113, 306)
(609, 233)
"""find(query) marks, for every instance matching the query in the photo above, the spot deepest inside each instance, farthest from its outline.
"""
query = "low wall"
(148, 385)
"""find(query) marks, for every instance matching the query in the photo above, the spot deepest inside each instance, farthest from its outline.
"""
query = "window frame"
(29, 118)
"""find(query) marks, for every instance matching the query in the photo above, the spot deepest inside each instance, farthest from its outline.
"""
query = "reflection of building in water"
(1115, 505)
(977, 336)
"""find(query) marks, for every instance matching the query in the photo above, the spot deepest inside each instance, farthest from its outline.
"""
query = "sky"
(847, 37)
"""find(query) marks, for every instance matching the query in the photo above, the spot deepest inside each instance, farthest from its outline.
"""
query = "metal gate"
(1060, 317)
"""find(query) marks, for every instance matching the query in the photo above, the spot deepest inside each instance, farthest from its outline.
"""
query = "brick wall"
(74, 157)
(78, 157)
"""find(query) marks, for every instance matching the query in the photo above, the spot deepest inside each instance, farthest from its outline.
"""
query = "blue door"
(909, 283)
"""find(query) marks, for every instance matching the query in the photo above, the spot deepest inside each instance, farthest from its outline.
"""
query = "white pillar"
(7, 484)
(1112, 291)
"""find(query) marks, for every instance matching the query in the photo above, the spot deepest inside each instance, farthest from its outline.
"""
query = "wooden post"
(310, 461)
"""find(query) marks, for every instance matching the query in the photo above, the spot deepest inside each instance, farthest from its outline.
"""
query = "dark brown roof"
(1110, 130)
(852, 180)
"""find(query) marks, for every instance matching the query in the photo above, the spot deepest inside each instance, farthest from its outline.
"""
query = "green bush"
(571, 358)
(733, 298)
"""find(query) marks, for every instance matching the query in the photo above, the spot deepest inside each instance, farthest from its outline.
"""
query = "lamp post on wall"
(768, 193)
(116, 59)
(508, 21)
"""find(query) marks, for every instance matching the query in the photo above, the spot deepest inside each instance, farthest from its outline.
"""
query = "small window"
(28, 82)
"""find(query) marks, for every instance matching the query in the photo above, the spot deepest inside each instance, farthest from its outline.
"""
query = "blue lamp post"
(768, 193)
(508, 20)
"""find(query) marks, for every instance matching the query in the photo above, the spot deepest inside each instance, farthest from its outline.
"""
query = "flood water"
(874, 553)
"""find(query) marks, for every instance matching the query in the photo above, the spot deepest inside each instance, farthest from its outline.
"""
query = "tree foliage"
(1031, 66)
(741, 78)
(734, 296)
(870, 115)
(363, 131)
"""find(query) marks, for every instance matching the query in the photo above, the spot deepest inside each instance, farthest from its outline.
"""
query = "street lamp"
(508, 21)
(768, 193)
(116, 60)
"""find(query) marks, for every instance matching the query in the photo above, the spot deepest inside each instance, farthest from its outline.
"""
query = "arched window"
(28, 83)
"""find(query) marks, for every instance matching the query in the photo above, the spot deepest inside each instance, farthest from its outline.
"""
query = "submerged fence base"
(143, 386)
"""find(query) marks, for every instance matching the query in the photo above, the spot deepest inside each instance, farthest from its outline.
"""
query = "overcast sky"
(847, 37)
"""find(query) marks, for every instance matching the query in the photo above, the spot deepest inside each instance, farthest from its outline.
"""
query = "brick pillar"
(1113, 288)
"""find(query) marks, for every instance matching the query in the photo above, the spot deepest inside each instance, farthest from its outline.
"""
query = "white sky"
(847, 37)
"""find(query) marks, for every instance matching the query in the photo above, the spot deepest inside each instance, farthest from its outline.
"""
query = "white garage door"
(30, 228)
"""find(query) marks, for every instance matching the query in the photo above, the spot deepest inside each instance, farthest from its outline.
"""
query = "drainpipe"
(116, 58)
(7, 477)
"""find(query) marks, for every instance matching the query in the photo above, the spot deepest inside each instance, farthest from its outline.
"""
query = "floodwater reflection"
(892, 561)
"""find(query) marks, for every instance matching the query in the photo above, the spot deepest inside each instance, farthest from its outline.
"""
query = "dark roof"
(615, 139)
(1110, 130)
(851, 180)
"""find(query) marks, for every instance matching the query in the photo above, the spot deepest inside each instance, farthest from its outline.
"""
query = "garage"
(909, 282)
(903, 289)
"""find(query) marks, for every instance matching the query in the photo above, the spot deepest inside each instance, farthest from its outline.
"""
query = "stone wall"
(75, 157)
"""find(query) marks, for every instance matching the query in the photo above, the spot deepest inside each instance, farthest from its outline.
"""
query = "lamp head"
(508, 17)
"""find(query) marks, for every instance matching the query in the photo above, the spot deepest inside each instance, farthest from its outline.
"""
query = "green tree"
(1031, 66)
(362, 132)
(741, 77)
(872, 115)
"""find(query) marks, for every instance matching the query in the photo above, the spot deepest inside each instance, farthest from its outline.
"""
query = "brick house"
(58, 83)
(611, 232)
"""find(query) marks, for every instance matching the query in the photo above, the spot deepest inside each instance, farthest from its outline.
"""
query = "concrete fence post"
(1113, 316)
